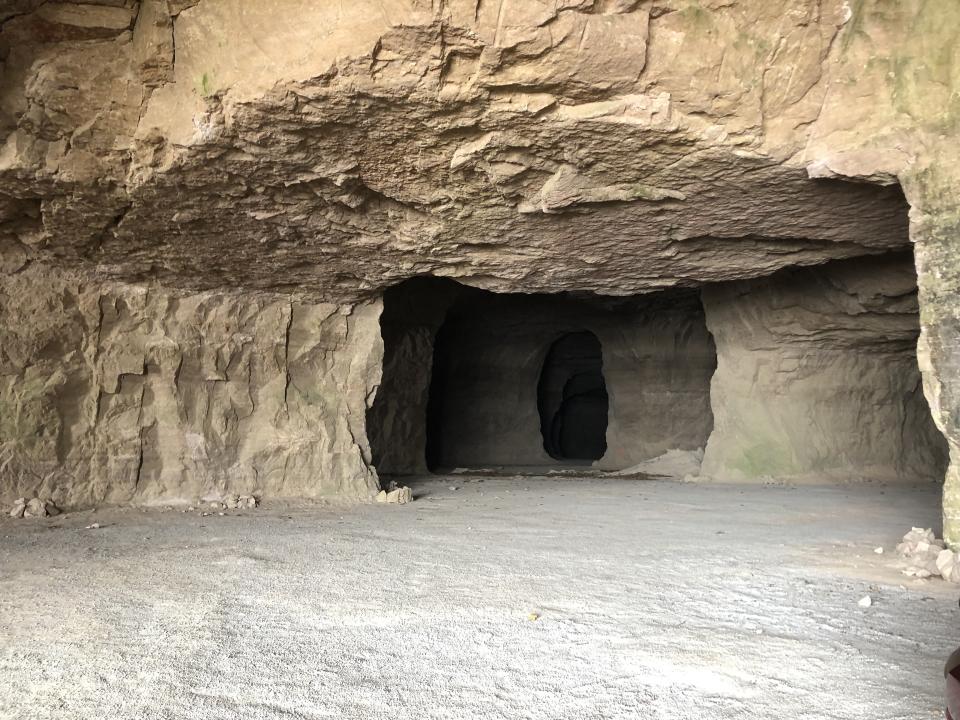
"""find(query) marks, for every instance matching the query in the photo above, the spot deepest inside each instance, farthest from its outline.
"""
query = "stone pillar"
(816, 376)
(935, 231)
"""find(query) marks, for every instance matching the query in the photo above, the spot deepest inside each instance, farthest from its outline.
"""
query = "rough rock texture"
(326, 151)
(138, 393)
(817, 376)
(506, 146)
(923, 552)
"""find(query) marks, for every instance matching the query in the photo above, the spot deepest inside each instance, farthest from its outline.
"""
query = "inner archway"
(526, 382)
(572, 398)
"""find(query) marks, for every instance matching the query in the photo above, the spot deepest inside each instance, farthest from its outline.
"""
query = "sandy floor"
(655, 600)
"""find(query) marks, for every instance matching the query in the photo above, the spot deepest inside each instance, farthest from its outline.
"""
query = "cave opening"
(808, 373)
(528, 382)
(572, 398)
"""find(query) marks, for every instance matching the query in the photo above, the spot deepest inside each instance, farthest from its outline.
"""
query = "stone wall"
(148, 395)
(935, 227)
(817, 376)
(616, 147)
(658, 361)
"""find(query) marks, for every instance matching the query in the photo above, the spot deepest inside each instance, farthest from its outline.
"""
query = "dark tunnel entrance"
(813, 374)
(437, 397)
(529, 383)
(572, 399)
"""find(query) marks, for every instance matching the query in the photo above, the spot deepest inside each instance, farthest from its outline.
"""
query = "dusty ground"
(656, 600)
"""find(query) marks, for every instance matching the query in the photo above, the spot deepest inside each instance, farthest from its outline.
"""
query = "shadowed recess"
(572, 399)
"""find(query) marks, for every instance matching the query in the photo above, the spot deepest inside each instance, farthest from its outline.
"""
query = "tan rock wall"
(333, 150)
(935, 228)
(144, 394)
(817, 377)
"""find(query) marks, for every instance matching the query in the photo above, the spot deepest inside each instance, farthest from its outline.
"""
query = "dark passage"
(480, 380)
(444, 364)
(572, 399)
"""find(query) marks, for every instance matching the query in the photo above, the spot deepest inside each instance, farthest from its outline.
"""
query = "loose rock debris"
(927, 556)
(397, 494)
(39, 507)
(34, 507)
(239, 502)
(229, 502)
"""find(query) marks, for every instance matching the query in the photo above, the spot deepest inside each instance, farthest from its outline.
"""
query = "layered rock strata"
(235, 158)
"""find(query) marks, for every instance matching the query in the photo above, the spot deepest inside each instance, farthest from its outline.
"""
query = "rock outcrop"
(177, 176)
(138, 392)
(817, 376)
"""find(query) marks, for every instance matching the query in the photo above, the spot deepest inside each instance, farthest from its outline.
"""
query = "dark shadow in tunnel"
(436, 400)
(572, 399)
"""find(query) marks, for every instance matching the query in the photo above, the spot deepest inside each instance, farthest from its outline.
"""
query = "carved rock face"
(202, 204)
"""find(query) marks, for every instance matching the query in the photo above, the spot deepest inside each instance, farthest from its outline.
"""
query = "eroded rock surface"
(817, 376)
(201, 204)
(512, 149)
(140, 393)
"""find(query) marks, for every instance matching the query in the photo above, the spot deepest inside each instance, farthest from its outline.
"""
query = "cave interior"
(808, 373)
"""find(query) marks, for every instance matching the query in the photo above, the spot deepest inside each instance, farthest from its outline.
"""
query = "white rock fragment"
(917, 571)
(918, 541)
(248, 502)
(948, 564)
(865, 602)
(920, 548)
(35, 508)
(397, 494)
(878, 550)
(93, 526)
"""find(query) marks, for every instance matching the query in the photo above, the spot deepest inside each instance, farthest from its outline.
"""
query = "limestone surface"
(141, 393)
(817, 376)
(203, 203)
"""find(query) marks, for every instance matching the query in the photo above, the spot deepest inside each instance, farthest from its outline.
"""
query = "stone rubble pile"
(238, 502)
(398, 494)
(229, 502)
(928, 557)
(34, 507)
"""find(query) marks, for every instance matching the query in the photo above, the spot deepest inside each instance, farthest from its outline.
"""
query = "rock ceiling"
(608, 145)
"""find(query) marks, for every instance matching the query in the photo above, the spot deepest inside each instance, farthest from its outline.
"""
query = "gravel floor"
(655, 600)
